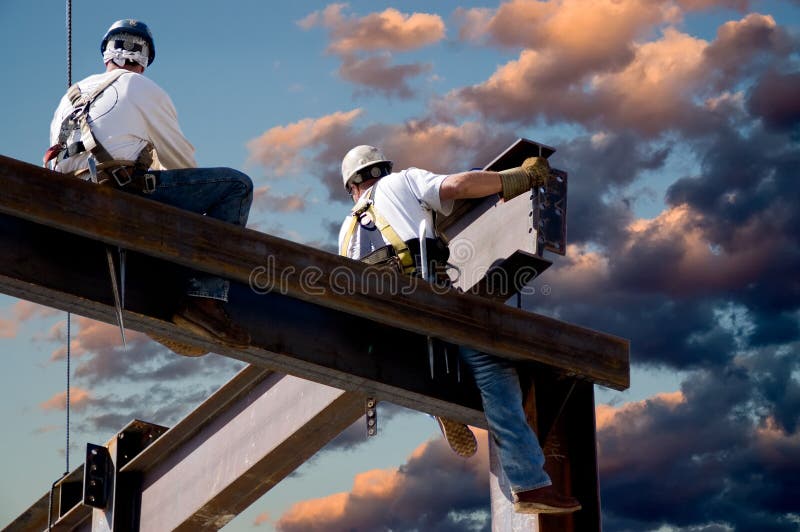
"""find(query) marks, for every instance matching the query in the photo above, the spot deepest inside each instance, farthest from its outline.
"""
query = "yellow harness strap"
(366, 205)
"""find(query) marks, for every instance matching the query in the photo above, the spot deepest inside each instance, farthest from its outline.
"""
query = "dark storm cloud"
(774, 99)
(704, 459)
(596, 165)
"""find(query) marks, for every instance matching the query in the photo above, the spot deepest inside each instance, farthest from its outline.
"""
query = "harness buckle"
(361, 208)
(126, 180)
(149, 183)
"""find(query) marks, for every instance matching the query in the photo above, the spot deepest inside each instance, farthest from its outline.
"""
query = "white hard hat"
(359, 158)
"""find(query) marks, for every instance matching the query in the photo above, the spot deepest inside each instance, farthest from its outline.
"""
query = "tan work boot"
(546, 500)
(179, 348)
(458, 436)
(208, 317)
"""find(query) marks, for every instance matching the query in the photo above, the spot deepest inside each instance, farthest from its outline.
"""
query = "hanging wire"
(69, 331)
(69, 342)
(69, 43)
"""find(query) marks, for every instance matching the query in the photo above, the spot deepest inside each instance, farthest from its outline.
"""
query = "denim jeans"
(222, 193)
(518, 447)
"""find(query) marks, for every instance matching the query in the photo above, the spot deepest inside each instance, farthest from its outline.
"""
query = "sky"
(678, 122)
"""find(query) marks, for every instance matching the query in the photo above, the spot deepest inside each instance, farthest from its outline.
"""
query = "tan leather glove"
(534, 172)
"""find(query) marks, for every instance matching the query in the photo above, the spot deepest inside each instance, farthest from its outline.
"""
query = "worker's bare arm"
(464, 185)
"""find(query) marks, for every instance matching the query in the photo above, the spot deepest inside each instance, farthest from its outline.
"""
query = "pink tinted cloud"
(261, 519)
(380, 497)
(87, 336)
(266, 200)
(578, 35)
(26, 310)
(698, 264)
(317, 145)
(79, 399)
(280, 148)
(377, 73)
(621, 80)
(673, 254)
(387, 30)
(22, 311)
(8, 328)
(606, 415)
(440, 147)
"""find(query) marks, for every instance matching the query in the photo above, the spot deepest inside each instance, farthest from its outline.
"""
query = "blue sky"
(678, 123)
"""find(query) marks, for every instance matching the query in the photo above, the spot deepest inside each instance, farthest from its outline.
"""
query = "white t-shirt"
(124, 118)
(404, 199)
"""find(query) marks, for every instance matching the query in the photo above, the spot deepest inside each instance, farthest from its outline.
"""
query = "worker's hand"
(534, 172)
(538, 170)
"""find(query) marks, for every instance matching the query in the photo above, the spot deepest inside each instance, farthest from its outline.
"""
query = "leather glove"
(534, 172)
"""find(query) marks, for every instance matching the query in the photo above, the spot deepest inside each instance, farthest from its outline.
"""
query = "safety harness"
(405, 254)
(365, 207)
(122, 172)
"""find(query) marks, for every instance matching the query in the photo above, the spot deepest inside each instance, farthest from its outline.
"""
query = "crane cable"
(69, 339)
(69, 331)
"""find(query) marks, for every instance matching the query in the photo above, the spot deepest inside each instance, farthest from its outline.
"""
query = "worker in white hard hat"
(383, 226)
(120, 128)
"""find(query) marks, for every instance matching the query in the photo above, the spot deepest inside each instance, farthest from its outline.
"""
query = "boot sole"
(460, 439)
(179, 348)
(199, 329)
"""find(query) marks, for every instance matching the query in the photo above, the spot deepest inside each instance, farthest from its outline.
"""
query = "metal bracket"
(98, 476)
(372, 416)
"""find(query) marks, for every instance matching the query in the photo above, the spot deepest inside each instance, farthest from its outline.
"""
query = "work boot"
(458, 436)
(207, 316)
(546, 500)
(179, 348)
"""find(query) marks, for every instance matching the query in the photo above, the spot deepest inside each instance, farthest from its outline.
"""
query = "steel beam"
(113, 217)
(289, 335)
(250, 434)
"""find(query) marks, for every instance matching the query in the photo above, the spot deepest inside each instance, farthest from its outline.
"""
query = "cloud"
(261, 519)
(26, 310)
(8, 328)
(376, 73)
(265, 200)
(774, 100)
(280, 148)
(699, 452)
(317, 145)
(22, 311)
(623, 82)
(387, 30)
(434, 490)
(79, 399)
(161, 403)
(365, 46)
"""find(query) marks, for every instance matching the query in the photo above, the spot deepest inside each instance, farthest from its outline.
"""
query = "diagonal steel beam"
(244, 439)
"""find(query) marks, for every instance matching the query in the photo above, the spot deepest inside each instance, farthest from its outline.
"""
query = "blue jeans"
(517, 446)
(222, 193)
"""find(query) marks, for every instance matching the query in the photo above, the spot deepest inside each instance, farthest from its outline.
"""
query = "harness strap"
(90, 143)
(81, 104)
(366, 205)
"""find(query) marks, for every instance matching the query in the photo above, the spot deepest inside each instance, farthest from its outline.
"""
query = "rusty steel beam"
(289, 335)
(278, 266)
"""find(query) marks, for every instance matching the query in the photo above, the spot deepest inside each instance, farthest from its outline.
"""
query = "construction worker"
(383, 228)
(121, 129)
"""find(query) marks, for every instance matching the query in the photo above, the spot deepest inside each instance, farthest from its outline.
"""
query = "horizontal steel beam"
(68, 272)
(107, 215)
